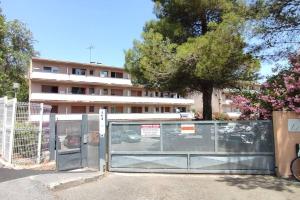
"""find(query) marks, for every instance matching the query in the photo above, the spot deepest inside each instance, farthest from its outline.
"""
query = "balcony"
(80, 98)
(70, 78)
(227, 102)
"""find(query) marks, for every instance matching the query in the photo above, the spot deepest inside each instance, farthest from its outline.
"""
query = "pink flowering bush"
(280, 92)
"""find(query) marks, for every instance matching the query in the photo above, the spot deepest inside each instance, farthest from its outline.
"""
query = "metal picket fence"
(24, 132)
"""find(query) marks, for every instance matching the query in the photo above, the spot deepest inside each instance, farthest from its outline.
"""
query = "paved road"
(183, 187)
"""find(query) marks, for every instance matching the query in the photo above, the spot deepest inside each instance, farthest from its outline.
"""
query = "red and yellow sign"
(188, 128)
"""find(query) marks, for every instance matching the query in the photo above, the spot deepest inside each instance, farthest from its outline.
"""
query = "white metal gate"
(192, 147)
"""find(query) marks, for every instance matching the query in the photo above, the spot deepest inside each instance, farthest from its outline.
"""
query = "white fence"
(23, 141)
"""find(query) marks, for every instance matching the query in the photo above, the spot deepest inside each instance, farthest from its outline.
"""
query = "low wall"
(285, 141)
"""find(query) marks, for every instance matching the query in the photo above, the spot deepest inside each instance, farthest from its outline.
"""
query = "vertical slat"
(216, 137)
(161, 138)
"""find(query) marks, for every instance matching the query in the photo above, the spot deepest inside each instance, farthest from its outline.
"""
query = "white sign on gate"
(102, 122)
(294, 125)
(150, 130)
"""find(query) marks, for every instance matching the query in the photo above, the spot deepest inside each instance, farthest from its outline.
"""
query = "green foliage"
(25, 140)
(194, 46)
(16, 50)
(276, 26)
(221, 117)
(6, 85)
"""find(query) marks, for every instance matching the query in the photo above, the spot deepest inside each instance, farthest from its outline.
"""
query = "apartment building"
(72, 87)
(222, 100)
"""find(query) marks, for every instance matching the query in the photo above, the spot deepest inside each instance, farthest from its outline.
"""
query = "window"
(91, 108)
(167, 109)
(54, 109)
(103, 73)
(146, 109)
(78, 90)
(105, 107)
(116, 92)
(157, 109)
(49, 89)
(136, 109)
(105, 92)
(116, 74)
(91, 72)
(50, 69)
(156, 94)
(117, 109)
(78, 71)
(136, 93)
(78, 109)
(182, 109)
(91, 90)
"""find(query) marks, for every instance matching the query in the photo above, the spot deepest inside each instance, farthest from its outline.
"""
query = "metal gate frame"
(71, 158)
(87, 154)
(267, 158)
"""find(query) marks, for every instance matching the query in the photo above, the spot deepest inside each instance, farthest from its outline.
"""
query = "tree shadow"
(259, 181)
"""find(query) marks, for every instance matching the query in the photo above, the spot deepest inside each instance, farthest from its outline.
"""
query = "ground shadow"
(7, 174)
(252, 182)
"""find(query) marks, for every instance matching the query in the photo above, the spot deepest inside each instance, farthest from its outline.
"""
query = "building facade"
(71, 87)
(222, 100)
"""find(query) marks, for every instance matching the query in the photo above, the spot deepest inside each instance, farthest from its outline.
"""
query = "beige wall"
(37, 66)
(215, 101)
(285, 150)
(65, 108)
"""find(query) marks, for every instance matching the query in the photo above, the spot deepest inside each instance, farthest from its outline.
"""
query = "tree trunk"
(206, 99)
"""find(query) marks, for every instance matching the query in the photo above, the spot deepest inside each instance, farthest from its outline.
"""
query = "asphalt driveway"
(117, 186)
(7, 174)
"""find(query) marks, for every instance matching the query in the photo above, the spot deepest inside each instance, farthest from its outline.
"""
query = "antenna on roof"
(90, 48)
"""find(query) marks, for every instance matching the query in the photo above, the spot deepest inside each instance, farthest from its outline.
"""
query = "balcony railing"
(79, 78)
(108, 99)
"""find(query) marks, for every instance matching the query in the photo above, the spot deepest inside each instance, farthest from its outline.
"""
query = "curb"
(72, 182)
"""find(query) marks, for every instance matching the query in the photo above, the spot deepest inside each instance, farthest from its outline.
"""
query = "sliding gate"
(192, 147)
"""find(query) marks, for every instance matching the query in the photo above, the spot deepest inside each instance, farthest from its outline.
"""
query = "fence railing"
(24, 139)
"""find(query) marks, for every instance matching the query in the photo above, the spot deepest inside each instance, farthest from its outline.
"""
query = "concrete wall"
(285, 141)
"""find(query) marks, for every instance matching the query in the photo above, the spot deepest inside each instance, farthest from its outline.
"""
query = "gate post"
(4, 125)
(52, 136)
(84, 141)
(39, 149)
(12, 131)
(103, 137)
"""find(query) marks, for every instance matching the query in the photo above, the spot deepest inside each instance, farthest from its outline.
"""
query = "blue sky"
(64, 29)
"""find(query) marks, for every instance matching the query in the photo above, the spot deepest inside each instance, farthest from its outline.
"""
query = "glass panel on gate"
(93, 141)
(135, 137)
(68, 135)
(188, 137)
(256, 136)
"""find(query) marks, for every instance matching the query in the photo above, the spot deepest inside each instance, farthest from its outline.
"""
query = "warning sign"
(150, 130)
(187, 128)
